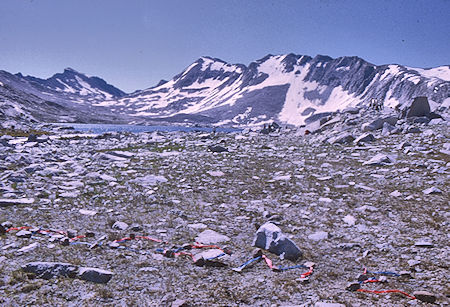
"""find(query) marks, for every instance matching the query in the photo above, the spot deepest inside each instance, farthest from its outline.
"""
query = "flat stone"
(180, 303)
(95, 275)
(270, 237)
(29, 248)
(87, 212)
(425, 296)
(217, 148)
(24, 234)
(209, 236)
(423, 243)
(319, 235)
(216, 173)
(19, 201)
(210, 258)
(432, 190)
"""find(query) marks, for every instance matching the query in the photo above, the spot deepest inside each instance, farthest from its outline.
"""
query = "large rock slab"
(19, 201)
(419, 107)
(365, 138)
(270, 237)
(48, 270)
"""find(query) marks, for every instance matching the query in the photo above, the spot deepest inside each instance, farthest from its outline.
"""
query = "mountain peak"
(71, 70)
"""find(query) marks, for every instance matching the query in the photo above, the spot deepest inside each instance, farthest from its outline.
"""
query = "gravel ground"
(344, 216)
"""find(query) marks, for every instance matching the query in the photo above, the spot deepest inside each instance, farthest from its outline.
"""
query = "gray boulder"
(378, 123)
(419, 107)
(351, 110)
(365, 138)
(48, 270)
(95, 275)
(217, 148)
(342, 138)
(388, 129)
(425, 296)
(270, 237)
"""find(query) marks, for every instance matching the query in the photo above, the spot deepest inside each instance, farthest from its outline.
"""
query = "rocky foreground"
(113, 219)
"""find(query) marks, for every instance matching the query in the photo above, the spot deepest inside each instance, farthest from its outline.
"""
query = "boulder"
(387, 129)
(209, 258)
(217, 148)
(380, 159)
(48, 270)
(270, 237)
(24, 234)
(378, 123)
(32, 138)
(351, 110)
(19, 201)
(432, 190)
(95, 275)
(419, 107)
(342, 138)
(120, 225)
(365, 138)
(425, 296)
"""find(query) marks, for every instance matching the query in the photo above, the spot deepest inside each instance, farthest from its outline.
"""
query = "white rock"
(380, 159)
(28, 248)
(432, 190)
(216, 173)
(87, 212)
(120, 225)
(107, 178)
(319, 235)
(18, 201)
(209, 236)
(285, 178)
(197, 226)
(396, 193)
(350, 220)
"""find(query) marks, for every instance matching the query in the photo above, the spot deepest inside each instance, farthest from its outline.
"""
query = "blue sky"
(133, 44)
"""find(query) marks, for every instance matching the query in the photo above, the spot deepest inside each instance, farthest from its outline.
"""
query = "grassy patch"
(22, 133)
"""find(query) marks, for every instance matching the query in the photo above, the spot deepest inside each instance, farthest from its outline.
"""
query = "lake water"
(102, 128)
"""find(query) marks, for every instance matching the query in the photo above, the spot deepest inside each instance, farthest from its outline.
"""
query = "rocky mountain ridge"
(67, 96)
(285, 88)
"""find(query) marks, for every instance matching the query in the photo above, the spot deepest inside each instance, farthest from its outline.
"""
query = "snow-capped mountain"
(287, 88)
(68, 96)
(74, 86)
